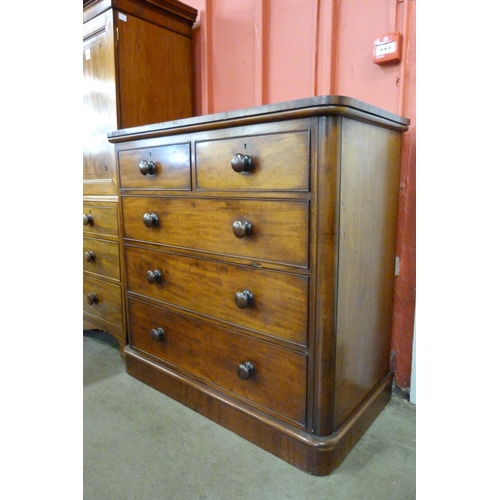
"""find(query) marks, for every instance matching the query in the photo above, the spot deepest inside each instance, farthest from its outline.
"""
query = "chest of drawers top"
(300, 108)
(275, 138)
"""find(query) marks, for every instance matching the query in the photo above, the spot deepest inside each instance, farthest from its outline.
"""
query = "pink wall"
(252, 52)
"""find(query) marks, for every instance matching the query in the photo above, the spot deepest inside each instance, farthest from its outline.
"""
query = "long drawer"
(268, 230)
(101, 257)
(270, 302)
(277, 161)
(100, 219)
(102, 300)
(276, 376)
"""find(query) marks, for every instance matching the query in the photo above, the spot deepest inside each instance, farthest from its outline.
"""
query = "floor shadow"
(101, 357)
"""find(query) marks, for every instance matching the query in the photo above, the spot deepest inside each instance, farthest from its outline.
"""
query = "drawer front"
(101, 257)
(279, 162)
(279, 228)
(213, 355)
(100, 219)
(106, 300)
(269, 302)
(162, 167)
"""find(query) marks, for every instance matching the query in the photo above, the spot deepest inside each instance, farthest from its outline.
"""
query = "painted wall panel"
(233, 56)
(292, 49)
(361, 21)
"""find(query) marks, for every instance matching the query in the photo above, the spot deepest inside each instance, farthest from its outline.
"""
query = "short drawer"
(269, 302)
(103, 300)
(101, 257)
(277, 162)
(268, 230)
(161, 167)
(100, 219)
(276, 376)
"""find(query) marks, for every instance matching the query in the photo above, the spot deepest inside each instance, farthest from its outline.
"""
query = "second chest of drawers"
(102, 280)
(259, 250)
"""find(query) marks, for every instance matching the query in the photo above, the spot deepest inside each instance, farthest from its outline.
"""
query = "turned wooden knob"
(157, 334)
(90, 256)
(147, 167)
(88, 219)
(245, 370)
(243, 299)
(241, 163)
(242, 228)
(150, 220)
(153, 276)
(92, 298)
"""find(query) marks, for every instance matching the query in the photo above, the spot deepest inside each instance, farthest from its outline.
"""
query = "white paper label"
(385, 48)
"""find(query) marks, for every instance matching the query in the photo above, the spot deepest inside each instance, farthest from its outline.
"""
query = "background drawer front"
(279, 234)
(109, 305)
(279, 305)
(280, 162)
(213, 355)
(172, 167)
(104, 257)
(104, 219)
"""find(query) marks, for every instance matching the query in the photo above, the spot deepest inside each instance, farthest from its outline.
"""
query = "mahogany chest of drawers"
(259, 251)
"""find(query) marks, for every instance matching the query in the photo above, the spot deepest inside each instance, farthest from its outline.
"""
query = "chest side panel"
(367, 245)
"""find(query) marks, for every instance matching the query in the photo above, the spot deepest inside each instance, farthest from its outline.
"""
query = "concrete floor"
(140, 445)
